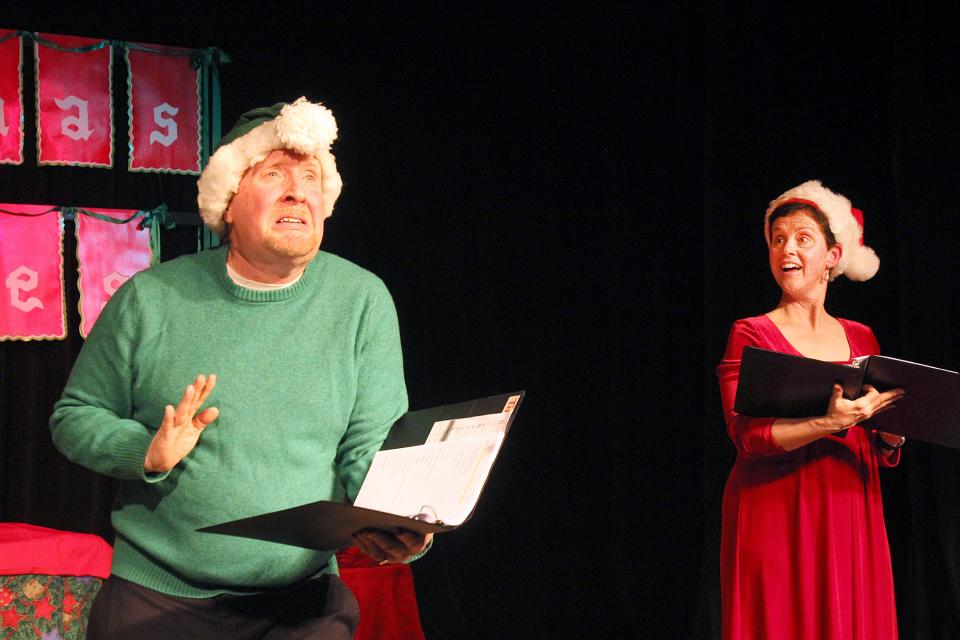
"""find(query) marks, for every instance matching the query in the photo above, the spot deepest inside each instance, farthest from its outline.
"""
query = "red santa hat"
(858, 262)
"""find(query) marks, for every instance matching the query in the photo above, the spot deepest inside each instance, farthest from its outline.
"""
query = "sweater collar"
(276, 295)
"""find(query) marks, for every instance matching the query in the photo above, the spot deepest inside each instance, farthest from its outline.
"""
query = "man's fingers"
(168, 415)
(207, 388)
(367, 545)
(206, 416)
(193, 398)
(203, 385)
(409, 538)
(414, 541)
(198, 383)
(185, 409)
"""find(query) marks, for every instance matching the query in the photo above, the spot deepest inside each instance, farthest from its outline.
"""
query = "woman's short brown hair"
(789, 208)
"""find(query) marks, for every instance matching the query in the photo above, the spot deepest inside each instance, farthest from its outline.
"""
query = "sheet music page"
(442, 479)
(465, 427)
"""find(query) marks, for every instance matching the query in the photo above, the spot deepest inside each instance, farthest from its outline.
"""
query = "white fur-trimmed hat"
(302, 126)
(858, 261)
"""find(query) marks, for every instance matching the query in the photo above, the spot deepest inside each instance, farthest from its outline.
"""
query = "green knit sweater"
(310, 378)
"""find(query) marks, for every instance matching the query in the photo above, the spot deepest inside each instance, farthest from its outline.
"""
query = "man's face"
(276, 216)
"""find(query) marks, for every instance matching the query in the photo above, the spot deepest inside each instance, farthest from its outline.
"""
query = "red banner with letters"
(32, 305)
(74, 119)
(11, 98)
(164, 110)
(108, 254)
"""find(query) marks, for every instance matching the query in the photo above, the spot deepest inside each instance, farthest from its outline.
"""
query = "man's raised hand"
(181, 427)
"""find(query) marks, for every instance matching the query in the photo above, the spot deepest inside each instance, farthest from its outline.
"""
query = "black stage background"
(570, 202)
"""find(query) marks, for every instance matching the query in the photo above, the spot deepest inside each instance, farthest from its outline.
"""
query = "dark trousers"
(323, 608)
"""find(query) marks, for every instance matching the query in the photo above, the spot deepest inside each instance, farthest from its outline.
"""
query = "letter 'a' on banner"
(74, 107)
(32, 306)
(11, 98)
(164, 110)
(108, 254)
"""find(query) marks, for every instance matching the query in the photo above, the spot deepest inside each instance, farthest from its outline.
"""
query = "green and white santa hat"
(302, 126)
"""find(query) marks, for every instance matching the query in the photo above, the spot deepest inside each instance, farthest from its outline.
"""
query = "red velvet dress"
(804, 550)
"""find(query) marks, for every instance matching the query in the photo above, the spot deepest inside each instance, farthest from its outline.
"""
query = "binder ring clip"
(427, 514)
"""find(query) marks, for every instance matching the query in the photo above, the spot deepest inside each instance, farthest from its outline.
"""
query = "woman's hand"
(843, 413)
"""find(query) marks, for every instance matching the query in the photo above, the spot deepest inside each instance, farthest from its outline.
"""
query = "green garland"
(151, 219)
(207, 61)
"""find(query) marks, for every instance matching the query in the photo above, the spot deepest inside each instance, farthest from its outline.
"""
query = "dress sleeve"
(381, 391)
(751, 436)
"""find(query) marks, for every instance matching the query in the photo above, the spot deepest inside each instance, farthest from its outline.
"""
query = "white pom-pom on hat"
(858, 261)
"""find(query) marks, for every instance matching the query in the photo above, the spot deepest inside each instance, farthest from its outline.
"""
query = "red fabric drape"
(29, 549)
(388, 602)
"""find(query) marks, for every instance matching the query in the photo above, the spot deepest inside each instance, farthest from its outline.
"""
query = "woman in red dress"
(804, 551)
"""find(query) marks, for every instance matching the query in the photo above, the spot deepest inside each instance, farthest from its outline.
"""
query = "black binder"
(773, 384)
(329, 525)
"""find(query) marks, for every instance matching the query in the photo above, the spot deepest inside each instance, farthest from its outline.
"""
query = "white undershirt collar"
(246, 283)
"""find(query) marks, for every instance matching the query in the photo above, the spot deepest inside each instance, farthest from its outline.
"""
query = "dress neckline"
(783, 338)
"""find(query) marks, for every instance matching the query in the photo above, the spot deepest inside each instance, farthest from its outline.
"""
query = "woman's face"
(799, 256)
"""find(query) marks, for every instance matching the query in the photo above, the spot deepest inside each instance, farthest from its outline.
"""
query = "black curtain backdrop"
(570, 202)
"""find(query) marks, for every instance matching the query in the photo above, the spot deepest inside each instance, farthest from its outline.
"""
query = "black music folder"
(427, 477)
(787, 386)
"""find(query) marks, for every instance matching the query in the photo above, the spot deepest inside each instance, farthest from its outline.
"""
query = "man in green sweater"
(236, 382)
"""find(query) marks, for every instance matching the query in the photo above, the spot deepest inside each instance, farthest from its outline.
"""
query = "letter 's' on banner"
(11, 98)
(108, 254)
(164, 110)
(74, 108)
(32, 305)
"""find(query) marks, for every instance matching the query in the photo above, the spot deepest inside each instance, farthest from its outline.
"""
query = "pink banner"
(32, 305)
(74, 108)
(11, 98)
(164, 111)
(108, 255)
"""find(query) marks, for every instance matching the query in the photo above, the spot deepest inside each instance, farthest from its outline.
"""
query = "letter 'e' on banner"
(164, 110)
(74, 108)
(11, 98)
(32, 305)
(108, 254)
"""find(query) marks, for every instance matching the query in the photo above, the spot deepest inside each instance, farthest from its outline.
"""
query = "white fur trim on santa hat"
(303, 127)
(858, 261)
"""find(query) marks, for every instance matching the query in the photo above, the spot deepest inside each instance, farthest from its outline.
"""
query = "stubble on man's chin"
(293, 247)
